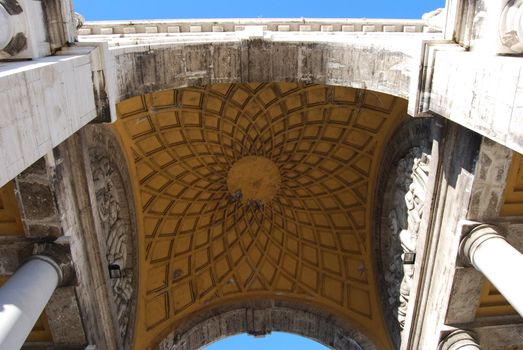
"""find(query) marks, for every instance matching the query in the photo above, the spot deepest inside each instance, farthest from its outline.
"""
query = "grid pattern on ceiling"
(310, 242)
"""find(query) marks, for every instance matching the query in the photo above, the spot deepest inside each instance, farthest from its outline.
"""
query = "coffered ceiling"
(256, 191)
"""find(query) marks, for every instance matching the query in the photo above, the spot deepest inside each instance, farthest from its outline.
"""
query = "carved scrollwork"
(113, 212)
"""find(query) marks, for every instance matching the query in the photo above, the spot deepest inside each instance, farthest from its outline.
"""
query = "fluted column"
(23, 298)
(459, 340)
(491, 254)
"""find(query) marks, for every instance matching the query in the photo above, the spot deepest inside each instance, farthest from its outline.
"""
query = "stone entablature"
(234, 25)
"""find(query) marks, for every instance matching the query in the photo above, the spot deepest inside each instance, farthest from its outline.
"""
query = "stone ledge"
(234, 25)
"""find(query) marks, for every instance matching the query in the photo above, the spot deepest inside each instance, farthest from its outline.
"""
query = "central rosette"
(253, 179)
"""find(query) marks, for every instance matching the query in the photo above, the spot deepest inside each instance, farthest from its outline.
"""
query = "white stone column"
(494, 257)
(459, 340)
(23, 298)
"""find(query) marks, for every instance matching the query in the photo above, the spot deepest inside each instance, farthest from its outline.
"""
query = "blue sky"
(160, 9)
(182, 9)
(275, 341)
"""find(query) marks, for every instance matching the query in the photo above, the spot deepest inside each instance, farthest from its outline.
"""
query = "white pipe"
(23, 298)
(494, 257)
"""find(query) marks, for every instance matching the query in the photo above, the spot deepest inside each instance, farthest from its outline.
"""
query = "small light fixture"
(409, 258)
(114, 271)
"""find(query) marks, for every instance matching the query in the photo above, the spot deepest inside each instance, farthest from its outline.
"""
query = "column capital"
(459, 340)
(57, 255)
(475, 238)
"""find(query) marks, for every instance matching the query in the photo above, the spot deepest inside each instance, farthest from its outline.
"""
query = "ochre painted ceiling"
(251, 191)
(10, 219)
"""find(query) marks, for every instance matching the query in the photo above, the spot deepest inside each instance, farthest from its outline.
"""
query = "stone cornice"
(348, 25)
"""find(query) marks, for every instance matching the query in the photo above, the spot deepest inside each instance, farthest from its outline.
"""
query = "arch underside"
(310, 243)
(261, 317)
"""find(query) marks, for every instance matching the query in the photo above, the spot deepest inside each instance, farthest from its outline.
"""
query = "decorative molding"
(511, 26)
(17, 44)
(459, 340)
(175, 27)
(11, 6)
(11, 40)
(6, 27)
(61, 22)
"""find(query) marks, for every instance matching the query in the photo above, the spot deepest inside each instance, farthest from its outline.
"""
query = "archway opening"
(273, 341)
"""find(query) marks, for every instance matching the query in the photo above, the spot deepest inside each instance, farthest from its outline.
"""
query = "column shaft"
(23, 298)
(501, 263)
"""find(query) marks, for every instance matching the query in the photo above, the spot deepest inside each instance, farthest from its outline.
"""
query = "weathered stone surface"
(42, 102)
(464, 297)
(491, 172)
(381, 65)
(481, 93)
(80, 225)
(264, 317)
(499, 336)
(37, 201)
(64, 318)
(452, 195)
(61, 25)
(9, 260)
(17, 44)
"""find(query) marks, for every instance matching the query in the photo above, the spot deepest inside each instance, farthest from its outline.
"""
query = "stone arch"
(404, 174)
(385, 65)
(261, 317)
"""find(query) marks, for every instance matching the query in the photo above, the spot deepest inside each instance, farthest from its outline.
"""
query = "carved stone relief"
(115, 228)
(404, 217)
(115, 212)
(401, 199)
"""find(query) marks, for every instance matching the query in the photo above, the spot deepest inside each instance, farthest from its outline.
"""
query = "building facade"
(169, 183)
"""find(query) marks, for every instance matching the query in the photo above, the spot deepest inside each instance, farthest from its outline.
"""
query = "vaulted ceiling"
(256, 191)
